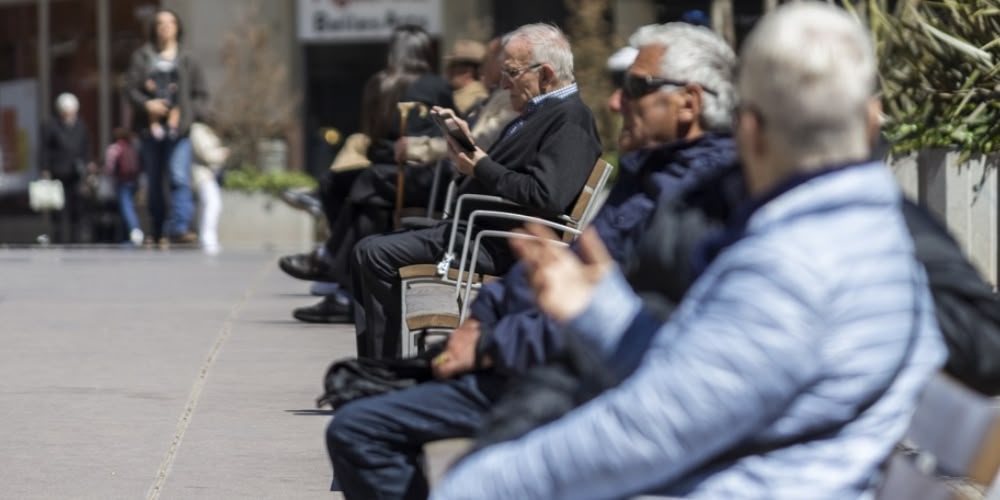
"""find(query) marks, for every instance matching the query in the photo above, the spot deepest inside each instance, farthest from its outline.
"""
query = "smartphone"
(454, 131)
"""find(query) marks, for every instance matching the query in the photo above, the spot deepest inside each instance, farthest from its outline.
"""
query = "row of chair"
(435, 296)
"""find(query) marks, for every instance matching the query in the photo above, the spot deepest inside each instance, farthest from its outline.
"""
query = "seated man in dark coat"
(541, 161)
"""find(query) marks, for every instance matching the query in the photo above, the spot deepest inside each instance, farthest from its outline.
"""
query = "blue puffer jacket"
(514, 333)
(807, 339)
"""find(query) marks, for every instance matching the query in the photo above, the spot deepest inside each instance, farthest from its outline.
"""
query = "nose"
(615, 101)
(505, 82)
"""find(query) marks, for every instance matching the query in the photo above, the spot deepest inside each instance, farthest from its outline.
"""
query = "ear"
(691, 107)
(873, 119)
(751, 130)
(547, 75)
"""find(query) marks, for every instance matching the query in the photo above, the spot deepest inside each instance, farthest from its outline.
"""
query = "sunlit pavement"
(129, 374)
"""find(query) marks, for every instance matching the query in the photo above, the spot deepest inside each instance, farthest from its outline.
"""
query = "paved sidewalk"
(146, 374)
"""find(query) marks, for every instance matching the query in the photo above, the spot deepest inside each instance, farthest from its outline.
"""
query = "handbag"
(351, 379)
(46, 195)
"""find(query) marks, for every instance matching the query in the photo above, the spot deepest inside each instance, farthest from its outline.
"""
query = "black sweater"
(544, 164)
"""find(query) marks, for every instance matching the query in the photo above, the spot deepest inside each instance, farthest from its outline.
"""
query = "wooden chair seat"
(429, 271)
(431, 305)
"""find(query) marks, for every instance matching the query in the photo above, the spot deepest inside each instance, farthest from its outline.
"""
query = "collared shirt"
(534, 104)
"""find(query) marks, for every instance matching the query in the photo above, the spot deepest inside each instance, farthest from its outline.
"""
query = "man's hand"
(157, 108)
(460, 355)
(464, 162)
(563, 283)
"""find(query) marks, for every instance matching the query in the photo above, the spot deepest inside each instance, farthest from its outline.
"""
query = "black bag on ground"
(356, 378)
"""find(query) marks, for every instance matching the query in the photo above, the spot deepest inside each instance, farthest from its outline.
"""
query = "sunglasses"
(635, 86)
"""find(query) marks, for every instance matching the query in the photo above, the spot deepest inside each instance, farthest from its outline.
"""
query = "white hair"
(67, 103)
(696, 54)
(548, 46)
(809, 69)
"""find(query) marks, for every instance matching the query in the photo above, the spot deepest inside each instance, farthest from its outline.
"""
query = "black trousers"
(376, 288)
(375, 444)
(359, 203)
(65, 224)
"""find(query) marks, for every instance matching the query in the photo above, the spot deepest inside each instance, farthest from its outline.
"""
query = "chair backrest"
(954, 433)
(586, 202)
(588, 195)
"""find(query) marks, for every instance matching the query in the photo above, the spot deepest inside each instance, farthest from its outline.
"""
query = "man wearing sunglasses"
(514, 335)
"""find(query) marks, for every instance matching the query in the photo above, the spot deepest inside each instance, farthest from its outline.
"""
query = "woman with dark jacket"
(65, 155)
(167, 91)
(358, 203)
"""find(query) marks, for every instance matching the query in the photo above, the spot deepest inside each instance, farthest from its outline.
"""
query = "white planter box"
(260, 220)
(962, 195)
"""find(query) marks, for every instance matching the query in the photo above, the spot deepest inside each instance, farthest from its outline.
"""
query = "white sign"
(364, 20)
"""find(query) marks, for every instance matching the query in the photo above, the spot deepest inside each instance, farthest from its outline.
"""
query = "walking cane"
(404, 111)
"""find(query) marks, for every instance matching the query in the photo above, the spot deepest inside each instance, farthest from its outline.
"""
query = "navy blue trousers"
(376, 443)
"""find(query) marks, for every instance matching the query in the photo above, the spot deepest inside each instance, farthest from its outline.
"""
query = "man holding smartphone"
(541, 161)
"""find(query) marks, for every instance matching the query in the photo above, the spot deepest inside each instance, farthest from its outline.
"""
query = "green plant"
(939, 71)
(250, 180)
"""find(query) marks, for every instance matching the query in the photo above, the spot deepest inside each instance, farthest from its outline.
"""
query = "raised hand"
(563, 282)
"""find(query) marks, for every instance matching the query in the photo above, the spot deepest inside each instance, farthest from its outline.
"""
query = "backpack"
(127, 164)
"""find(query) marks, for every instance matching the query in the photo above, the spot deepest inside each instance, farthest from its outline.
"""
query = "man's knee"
(365, 253)
(346, 430)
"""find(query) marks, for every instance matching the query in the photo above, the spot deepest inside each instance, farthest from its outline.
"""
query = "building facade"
(325, 50)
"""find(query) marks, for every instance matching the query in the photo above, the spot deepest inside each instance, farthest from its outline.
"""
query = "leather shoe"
(306, 266)
(327, 310)
(303, 201)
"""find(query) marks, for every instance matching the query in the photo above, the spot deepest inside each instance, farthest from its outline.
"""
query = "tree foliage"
(939, 71)
(256, 100)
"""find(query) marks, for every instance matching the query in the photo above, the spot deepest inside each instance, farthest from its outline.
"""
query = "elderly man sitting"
(793, 364)
(541, 161)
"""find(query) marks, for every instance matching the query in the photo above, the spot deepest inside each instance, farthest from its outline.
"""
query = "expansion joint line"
(192, 401)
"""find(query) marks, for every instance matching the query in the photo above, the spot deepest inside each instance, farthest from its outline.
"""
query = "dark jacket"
(967, 309)
(544, 163)
(65, 148)
(192, 94)
(516, 335)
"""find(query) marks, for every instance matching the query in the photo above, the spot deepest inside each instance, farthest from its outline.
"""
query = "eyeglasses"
(636, 86)
(514, 73)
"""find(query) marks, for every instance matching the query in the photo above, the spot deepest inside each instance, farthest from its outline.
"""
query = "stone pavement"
(130, 374)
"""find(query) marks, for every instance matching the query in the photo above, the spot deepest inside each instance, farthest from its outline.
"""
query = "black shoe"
(327, 310)
(306, 266)
(303, 201)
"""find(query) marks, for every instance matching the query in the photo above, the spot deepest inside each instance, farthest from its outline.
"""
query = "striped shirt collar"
(560, 93)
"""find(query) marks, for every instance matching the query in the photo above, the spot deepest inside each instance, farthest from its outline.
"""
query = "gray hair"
(809, 69)
(696, 54)
(548, 45)
(67, 103)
